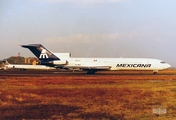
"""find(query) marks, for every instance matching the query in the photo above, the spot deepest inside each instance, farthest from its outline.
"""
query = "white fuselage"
(116, 63)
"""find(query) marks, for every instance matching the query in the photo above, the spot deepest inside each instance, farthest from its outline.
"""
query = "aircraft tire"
(90, 72)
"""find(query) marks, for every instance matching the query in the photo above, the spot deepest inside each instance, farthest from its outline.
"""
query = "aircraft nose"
(168, 65)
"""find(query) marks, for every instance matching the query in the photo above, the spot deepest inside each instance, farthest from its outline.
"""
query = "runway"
(28, 73)
(83, 73)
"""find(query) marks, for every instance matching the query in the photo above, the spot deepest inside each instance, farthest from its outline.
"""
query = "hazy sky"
(90, 28)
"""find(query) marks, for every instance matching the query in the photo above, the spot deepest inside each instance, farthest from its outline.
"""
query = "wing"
(87, 67)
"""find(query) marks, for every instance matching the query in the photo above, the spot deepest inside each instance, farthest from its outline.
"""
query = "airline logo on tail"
(43, 54)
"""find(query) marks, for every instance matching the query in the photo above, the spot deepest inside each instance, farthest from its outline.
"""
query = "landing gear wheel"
(90, 72)
(155, 73)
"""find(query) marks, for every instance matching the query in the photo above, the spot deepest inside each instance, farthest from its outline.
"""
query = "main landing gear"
(91, 72)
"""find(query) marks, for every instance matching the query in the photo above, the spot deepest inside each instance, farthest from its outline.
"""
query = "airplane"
(92, 65)
(25, 67)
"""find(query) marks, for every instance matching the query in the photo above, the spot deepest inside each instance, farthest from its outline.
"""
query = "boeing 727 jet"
(92, 65)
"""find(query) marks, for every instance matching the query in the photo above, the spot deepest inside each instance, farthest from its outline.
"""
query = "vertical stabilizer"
(5, 62)
(41, 52)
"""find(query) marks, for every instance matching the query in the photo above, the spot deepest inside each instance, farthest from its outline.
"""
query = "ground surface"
(123, 95)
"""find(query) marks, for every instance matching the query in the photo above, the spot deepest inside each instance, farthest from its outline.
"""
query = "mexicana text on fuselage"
(134, 65)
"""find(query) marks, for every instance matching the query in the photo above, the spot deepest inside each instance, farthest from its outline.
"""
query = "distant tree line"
(14, 60)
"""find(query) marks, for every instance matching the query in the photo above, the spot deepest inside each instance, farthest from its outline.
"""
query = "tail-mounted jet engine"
(59, 62)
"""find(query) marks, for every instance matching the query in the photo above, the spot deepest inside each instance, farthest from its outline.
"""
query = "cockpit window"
(162, 62)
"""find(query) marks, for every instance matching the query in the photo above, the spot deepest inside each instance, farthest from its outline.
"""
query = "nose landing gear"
(155, 72)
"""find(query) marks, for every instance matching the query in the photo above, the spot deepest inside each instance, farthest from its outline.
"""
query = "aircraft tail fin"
(41, 52)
